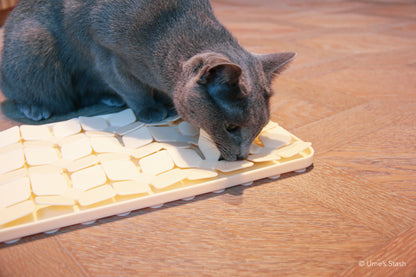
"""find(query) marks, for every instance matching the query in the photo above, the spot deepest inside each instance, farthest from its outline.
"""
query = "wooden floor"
(352, 93)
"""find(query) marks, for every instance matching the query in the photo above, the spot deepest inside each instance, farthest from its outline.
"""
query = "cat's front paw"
(152, 114)
(34, 112)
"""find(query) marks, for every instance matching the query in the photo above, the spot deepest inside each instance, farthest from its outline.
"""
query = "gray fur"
(157, 56)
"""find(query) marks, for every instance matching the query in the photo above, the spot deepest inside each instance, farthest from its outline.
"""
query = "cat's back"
(32, 14)
(143, 16)
(111, 20)
(153, 25)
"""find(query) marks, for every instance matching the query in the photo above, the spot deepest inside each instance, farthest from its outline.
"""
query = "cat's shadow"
(10, 110)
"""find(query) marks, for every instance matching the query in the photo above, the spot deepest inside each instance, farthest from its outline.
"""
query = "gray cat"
(157, 56)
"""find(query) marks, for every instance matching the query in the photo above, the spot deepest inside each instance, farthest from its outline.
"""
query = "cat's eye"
(231, 127)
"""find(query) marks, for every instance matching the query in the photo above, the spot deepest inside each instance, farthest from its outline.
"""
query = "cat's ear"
(220, 78)
(276, 63)
(220, 72)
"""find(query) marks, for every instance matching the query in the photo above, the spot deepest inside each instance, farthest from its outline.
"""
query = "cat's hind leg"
(34, 112)
(32, 72)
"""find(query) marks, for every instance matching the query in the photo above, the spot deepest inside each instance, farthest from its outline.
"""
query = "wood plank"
(320, 94)
(349, 125)
(395, 258)
(228, 234)
(297, 103)
(385, 158)
(38, 256)
(362, 82)
(291, 111)
(356, 198)
(364, 74)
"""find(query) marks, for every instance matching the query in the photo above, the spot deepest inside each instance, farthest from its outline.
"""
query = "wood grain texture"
(356, 198)
(385, 157)
(7, 4)
(346, 126)
(351, 92)
(238, 236)
(395, 258)
(43, 256)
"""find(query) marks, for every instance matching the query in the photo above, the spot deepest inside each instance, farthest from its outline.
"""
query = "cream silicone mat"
(86, 168)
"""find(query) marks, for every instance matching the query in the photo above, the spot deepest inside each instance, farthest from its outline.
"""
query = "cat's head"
(229, 100)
